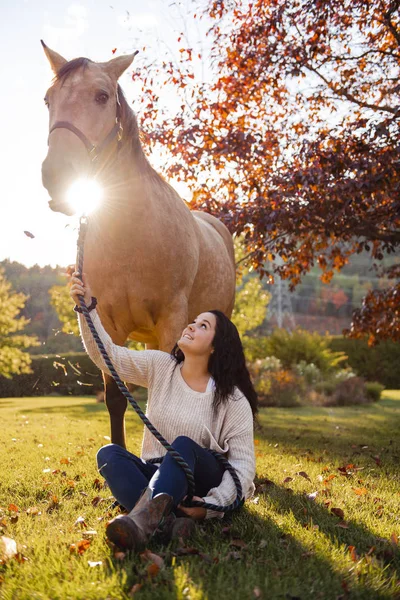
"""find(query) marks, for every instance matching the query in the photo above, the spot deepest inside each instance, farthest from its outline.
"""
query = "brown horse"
(152, 263)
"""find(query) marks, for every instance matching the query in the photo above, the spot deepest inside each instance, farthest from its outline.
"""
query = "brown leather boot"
(133, 531)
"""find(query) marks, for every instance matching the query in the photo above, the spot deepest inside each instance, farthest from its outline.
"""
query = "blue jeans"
(127, 475)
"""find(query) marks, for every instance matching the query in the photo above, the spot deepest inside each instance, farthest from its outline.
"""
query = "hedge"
(377, 363)
(69, 374)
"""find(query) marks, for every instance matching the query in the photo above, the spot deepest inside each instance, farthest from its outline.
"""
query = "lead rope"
(124, 390)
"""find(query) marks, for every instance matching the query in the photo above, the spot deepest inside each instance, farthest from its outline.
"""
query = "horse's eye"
(101, 98)
(46, 102)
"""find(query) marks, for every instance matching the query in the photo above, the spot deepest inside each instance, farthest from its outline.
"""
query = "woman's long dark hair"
(227, 364)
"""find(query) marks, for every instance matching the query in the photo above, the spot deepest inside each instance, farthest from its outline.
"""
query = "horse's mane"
(128, 120)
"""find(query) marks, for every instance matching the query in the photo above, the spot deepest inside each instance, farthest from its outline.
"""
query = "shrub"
(276, 386)
(374, 390)
(309, 347)
(348, 392)
(378, 363)
(71, 374)
(310, 372)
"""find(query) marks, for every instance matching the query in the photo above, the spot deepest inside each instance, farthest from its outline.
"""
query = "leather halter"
(94, 151)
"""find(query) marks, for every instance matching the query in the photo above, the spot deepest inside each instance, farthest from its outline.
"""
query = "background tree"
(251, 298)
(13, 359)
(294, 138)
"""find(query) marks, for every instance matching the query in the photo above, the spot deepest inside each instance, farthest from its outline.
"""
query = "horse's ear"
(56, 60)
(116, 66)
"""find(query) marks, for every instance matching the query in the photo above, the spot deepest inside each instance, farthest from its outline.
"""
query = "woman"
(200, 397)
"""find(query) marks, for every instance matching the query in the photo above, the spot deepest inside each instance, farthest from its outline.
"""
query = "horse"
(152, 263)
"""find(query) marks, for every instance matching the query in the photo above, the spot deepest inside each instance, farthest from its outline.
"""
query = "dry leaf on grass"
(80, 547)
(8, 549)
(304, 474)
(338, 512)
(288, 480)
(135, 588)
(155, 558)
(95, 563)
(238, 543)
(80, 522)
(342, 525)
(360, 491)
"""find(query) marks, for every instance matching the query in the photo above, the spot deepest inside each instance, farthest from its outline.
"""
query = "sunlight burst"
(85, 196)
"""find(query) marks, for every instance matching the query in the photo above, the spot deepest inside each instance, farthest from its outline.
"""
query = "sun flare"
(84, 196)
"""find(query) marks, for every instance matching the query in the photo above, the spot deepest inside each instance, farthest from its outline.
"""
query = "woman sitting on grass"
(200, 397)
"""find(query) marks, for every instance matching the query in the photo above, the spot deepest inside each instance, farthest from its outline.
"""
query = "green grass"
(294, 547)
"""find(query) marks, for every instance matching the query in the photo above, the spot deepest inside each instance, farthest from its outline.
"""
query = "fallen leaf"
(353, 553)
(155, 558)
(135, 588)
(80, 522)
(394, 539)
(97, 484)
(238, 543)
(360, 491)
(153, 570)
(96, 500)
(33, 511)
(71, 483)
(288, 480)
(13, 508)
(312, 496)
(90, 533)
(65, 461)
(338, 512)
(262, 544)
(80, 547)
(118, 555)
(304, 474)
(8, 549)
(342, 524)
(95, 563)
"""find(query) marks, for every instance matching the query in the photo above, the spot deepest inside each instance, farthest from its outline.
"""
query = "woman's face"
(197, 337)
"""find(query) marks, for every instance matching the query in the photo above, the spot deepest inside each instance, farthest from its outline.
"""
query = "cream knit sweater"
(176, 409)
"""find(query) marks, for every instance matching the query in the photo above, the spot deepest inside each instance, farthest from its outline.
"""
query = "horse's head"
(84, 110)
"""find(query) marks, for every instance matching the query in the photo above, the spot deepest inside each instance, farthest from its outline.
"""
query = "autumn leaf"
(360, 491)
(238, 543)
(95, 563)
(8, 549)
(134, 589)
(342, 525)
(394, 539)
(304, 474)
(150, 556)
(80, 547)
(338, 512)
(13, 508)
(65, 461)
(33, 511)
(353, 553)
(80, 522)
(288, 480)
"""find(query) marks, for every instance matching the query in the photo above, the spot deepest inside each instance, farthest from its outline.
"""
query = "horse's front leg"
(116, 405)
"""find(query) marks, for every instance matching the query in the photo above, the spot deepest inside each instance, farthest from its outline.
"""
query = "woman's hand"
(80, 288)
(198, 513)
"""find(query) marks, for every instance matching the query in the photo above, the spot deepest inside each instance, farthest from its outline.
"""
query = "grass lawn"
(291, 541)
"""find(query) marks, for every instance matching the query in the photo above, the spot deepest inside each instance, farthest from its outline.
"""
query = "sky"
(84, 28)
